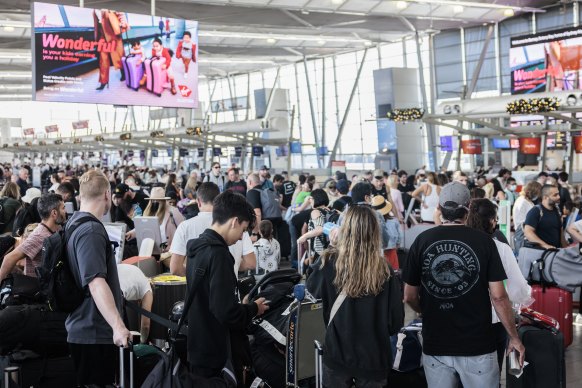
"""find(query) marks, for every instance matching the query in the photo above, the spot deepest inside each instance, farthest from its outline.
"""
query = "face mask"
(512, 187)
(155, 207)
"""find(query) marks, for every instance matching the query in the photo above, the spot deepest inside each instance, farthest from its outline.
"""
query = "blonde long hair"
(361, 269)
(161, 213)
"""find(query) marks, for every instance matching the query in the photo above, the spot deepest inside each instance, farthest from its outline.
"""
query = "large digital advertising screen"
(109, 57)
(546, 62)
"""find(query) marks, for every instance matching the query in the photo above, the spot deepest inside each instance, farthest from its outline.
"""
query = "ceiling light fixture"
(16, 74)
(401, 4)
(15, 87)
(337, 2)
(15, 96)
(458, 9)
(321, 42)
(14, 23)
(367, 43)
(271, 40)
(9, 29)
(508, 12)
(471, 4)
(234, 61)
(20, 54)
(284, 37)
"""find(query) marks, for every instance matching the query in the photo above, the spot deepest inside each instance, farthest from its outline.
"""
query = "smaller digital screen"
(501, 143)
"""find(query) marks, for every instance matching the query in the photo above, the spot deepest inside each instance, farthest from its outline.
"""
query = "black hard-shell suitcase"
(544, 351)
(413, 379)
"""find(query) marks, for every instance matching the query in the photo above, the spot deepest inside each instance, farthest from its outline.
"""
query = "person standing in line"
(358, 286)
(452, 276)
(543, 223)
(428, 195)
(215, 176)
(216, 315)
(483, 216)
(95, 328)
(51, 209)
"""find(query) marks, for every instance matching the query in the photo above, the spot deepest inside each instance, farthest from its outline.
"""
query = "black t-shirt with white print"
(452, 265)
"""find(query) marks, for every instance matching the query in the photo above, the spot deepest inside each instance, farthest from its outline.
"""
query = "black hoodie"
(216, 308)
(358, 340)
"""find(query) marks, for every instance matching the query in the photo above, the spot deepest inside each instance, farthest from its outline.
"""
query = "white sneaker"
(185, 75)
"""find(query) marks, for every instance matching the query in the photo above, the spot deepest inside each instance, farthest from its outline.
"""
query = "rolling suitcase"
(544, 351)
(556, 303)
(318, 364)
(156, 76)
(126, 376)
(133, 70)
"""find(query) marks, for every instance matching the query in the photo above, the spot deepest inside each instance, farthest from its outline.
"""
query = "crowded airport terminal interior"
(290, 193)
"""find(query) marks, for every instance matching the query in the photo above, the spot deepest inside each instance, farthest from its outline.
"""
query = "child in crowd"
(186, 51)
(136, 49)
(268, 249)
(395, 234)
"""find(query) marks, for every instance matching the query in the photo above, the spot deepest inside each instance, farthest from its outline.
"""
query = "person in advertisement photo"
(549, 62)
(110, 27)
(105, 56)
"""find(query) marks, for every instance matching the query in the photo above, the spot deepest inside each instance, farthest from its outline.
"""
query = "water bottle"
(328, 227)
(299, 292)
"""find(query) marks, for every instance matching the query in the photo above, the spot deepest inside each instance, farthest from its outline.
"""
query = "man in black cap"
(134, 197)
(452, 276)
(265, 181)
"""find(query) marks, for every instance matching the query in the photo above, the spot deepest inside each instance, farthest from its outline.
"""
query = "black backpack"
(25, 216)
(57, 282)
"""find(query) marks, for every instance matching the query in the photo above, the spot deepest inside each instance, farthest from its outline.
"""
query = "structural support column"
(347, 112)
(272, 95)
(323, 105)
(232, 97)
(299, 125)
(248, 97)
(429, 127)
(313, 114)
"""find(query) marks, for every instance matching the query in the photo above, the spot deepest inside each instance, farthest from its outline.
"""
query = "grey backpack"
(270, 208)
(562, 267)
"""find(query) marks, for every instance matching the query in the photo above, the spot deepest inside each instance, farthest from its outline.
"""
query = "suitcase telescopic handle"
(122, 366)
(318, 364)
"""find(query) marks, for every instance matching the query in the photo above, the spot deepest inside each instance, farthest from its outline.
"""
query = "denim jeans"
(474, 372)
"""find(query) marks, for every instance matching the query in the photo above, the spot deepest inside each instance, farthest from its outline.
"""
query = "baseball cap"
(121, 189)
(379, 173)
(342, 186)
(263, 167)
(454, 195)
(31, 194)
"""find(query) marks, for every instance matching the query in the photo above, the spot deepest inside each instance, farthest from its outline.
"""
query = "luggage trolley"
(305, 326)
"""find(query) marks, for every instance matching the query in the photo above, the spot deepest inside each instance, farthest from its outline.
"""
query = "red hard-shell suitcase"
(556, 303)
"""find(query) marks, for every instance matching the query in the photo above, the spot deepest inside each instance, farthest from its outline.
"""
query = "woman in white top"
(169, 216)
(525, 202)
(483, 217)
(56, 182)
(392, 182)
(428, 194)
